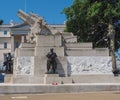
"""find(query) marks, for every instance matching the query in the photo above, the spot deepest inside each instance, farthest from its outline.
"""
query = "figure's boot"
(53, 70)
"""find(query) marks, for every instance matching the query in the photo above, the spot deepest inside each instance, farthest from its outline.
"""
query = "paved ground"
(75, 96)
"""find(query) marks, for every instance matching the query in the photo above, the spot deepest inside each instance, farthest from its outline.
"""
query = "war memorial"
(54, 62)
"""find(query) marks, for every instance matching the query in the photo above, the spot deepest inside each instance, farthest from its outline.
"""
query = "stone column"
(22, 39)
(12, 43)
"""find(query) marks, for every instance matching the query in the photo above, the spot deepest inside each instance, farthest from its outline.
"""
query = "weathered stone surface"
(70, 39)
(25, 66)
(79, 45)
(62, 66)
(118, 64)
(32, 69)
(49, 40)
(42, 51)
(40, 65)
(24, 52)
(63, 88)
(8, 78)
(87, 52)
(27, 45)
(80, 52)
(25, 79)
(38, 25)
(102, 51)
(89, 65)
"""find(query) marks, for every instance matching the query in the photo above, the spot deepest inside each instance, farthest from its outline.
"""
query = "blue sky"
(49, 9)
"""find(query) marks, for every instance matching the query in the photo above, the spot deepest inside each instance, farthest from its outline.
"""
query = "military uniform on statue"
(51, 62)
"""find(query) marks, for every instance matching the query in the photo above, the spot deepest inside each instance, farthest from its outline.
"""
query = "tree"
(76, 19)
(94, 20)
(1, 22)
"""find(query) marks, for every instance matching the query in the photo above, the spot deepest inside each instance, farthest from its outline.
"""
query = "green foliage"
(94, 9)
(89, 19)
(1, 22)
(76, 18)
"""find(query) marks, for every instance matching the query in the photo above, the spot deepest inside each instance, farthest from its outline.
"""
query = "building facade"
(5, 42)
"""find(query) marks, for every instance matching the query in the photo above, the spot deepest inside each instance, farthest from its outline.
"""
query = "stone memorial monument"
(30, 58)
(30, 62)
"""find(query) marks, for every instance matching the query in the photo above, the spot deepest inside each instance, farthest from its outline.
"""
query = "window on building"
(5, 32)
(5, 44)
(17, 45)
(5, 56)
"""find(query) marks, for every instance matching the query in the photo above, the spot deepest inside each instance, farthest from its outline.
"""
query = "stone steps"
(57, 88)
(100, 78)
(54, 78)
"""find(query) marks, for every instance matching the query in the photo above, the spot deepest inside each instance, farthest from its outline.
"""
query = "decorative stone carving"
(25, 65)
(38, 25)
(89, 65)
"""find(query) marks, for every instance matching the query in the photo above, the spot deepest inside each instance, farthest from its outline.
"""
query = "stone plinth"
(49, 40)
(31, 61)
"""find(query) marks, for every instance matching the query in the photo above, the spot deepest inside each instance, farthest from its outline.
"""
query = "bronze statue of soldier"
(51, 62)
(8, 63)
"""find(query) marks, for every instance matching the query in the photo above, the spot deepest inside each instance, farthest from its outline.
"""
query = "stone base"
(8, 78)
(51, 78)
(58, 88)
(54, 78)
(51, 75)
(28, 80)
(100, 78)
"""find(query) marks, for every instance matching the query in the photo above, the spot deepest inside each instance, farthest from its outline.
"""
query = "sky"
(50, 10)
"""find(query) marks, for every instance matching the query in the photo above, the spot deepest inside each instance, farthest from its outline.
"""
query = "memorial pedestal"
(31, 61)
(51, 79)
